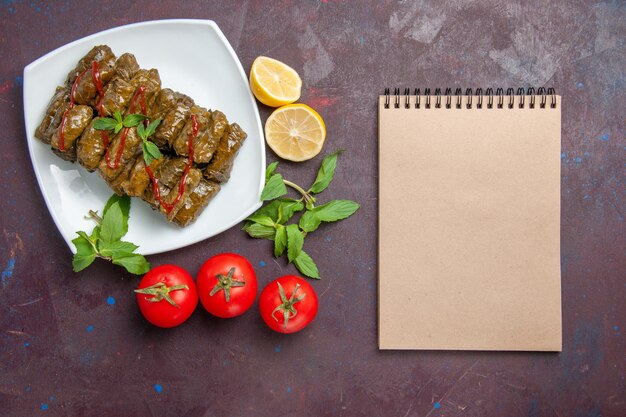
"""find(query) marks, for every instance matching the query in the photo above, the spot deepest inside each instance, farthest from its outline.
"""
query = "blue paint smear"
(605, 137)
(19, 81)
(26, 344)
(44, 406)
(278, 347)
(262, 263)
(110, 301)
(586, 154)
(562, 155)
(289, 390)
(580, 85)
(8, 272)
(437, 405)
(615, 328)
(90, 328)
(578, 160)
(158, 388)
(328, 238)
(27, 389)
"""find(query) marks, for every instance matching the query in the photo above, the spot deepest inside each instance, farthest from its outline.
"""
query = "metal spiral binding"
(499, 94)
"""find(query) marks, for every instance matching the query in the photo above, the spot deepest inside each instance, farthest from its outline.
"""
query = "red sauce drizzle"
(95, 76)
(140, 93)
(181, 185)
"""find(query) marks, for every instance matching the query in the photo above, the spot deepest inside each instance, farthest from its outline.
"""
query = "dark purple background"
(75, 344)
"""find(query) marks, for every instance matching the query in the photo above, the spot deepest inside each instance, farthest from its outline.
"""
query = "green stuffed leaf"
(133, 262)
(326, 173)
(305, 264)
(295, 240)
(274, 188)
(280, 241)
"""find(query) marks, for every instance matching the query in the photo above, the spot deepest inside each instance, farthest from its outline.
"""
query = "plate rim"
(200, 22)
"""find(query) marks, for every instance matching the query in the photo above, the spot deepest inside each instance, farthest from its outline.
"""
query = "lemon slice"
(274, 83)
(295, 132)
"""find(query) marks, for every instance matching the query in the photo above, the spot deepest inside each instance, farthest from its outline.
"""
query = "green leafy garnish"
(270, 221)
(105, 239)
(150, 150)
(116, 123)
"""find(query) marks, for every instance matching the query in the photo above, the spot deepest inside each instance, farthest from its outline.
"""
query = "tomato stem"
(160, 291)
(226, 282)
(287, 306)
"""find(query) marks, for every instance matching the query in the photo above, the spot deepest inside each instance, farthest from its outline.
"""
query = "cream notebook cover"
(469, 221)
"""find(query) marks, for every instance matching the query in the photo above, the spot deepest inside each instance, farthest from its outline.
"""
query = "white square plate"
(194, 58)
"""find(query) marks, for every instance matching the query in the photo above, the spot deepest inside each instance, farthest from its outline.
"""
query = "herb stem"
(94, 216)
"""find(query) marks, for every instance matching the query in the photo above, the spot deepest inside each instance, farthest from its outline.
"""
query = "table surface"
(75, 344)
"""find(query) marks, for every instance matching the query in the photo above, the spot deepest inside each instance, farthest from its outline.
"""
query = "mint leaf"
(305, 264)
(274, 188)
(288, 208)
(133, 262)
(133, 120)
(104, 123)
(261, 219)
(95, 234)
(280, 241)
(295, 240)
(146, 153)
(260, 231)
(153, 150)
(152, 127)
(336, 210)
(83, 245)
(309, 222)
(112, 224)
(117, 248)
(118, 117)
(141, 131)
(85, 252)
(270, 170)
(326, 173)
(80, 262)
(124, 203)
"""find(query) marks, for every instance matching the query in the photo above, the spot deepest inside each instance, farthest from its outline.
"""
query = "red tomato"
(227, 285)
(288, 304)
(167, 296)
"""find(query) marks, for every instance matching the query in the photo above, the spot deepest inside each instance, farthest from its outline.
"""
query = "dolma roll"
(220, 166)
(196, 202)
(204, 144)
(130, 143)
(90, 148)
(102, 54)
(76, 120)
(52, 117)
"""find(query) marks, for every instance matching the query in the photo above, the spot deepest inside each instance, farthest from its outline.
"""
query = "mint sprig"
(105, 239)
(150, 150)
(270, 221)
(116, 123)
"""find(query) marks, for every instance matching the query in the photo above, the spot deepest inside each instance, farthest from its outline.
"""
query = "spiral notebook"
(469, 220)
